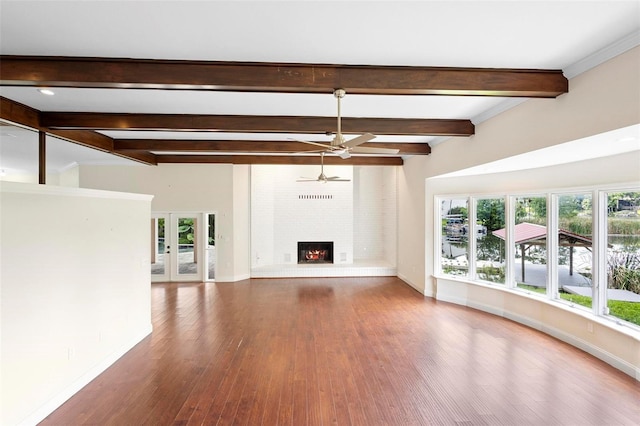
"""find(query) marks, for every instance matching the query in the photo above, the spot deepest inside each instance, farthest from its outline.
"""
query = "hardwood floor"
(346, 351)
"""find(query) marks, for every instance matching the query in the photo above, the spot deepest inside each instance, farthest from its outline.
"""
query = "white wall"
(241, 223)
(601, 99)
(75, 291)
(20, 177)
(358, 216)
(217, 188)
(301, 211)
(374, 209)
(67, 177)
(390, 212)
(263, 204)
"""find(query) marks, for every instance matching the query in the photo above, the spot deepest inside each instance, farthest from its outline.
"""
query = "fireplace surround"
(315, 252)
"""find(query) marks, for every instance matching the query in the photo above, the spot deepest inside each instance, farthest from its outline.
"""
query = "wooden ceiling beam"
(280, 159)
(101, 142)
(23, 115)
(18, 113)
(83, 72)
(251, 146)
(145, 157)
(86, 138)
(254, 123)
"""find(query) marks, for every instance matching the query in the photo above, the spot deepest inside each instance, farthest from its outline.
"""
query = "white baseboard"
(414, 285)
(489, 309)
(581, 344)
(451, 299)
(570, 339)
(54, 403)
(232, 278)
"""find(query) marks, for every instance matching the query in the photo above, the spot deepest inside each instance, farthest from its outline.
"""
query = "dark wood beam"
(251, 146)
(23, 115)
(278, 77)
(279, 159)
(87, 138)
(139, 156)
(254, 123)
(101, 142)
(42, 157)
(18, 113)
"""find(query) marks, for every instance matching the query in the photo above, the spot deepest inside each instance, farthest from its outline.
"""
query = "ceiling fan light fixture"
(344, 148)
(342, 153)
(322, 178)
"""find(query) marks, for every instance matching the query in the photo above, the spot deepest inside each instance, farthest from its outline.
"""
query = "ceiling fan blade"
(358, 140)
(306, 179)
(325, 146)
(307, 152)
(337, 179)
(372, 150)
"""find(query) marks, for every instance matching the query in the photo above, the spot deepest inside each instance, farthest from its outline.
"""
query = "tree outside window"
(454, 214)
(490, 249)
(623, 255)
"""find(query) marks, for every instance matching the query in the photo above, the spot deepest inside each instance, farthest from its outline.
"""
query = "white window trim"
(599, 213)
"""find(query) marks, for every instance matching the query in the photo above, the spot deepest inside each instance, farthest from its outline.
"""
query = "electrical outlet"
(590, 327)
(71, 353)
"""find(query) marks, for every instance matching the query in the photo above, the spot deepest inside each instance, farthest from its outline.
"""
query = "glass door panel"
(185, 254)
(180, 245)
(160, 248)
(210, 251)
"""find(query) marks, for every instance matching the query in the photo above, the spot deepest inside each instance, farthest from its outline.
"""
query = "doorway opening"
(183, 247)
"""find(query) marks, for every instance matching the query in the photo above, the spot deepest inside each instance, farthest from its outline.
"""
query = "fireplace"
(315, 252)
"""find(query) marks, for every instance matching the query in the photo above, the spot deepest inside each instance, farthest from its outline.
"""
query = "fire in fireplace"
(315, 252)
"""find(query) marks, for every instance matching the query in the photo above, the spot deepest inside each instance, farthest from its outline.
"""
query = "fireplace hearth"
(315, 252)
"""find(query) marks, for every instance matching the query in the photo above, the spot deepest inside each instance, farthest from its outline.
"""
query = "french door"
(183, 247)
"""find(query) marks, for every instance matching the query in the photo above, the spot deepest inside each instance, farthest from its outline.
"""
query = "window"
(596, 240)
(623, 256)
(490, 248)
(455, 236)
(575, 248)
(530, 237)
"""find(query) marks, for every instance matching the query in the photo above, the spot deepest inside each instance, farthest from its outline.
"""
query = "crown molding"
(601, 56)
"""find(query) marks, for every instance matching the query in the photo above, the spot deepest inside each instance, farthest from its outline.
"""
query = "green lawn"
(628, 311)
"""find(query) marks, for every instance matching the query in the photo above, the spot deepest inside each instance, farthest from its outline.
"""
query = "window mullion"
(552, 246)
(473, 234)
(599, 275)
(509, 248)
(437, 232)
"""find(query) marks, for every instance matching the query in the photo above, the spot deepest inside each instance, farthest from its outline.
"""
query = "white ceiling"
(509, 34)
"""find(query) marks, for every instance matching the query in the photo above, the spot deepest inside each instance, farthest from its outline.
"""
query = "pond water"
(490, 247)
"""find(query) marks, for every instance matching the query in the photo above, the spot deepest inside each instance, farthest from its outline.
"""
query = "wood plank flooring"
(344, 351)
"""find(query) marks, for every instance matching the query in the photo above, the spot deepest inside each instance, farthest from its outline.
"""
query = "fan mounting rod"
(322, 176)
(339, 94)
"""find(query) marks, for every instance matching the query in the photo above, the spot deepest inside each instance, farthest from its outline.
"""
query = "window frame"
(599, 195)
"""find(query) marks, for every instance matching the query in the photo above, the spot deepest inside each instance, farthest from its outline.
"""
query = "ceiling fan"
(322, 177)
(344, 148)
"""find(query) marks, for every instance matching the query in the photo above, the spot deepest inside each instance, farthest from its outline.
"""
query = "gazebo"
(529, 234)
